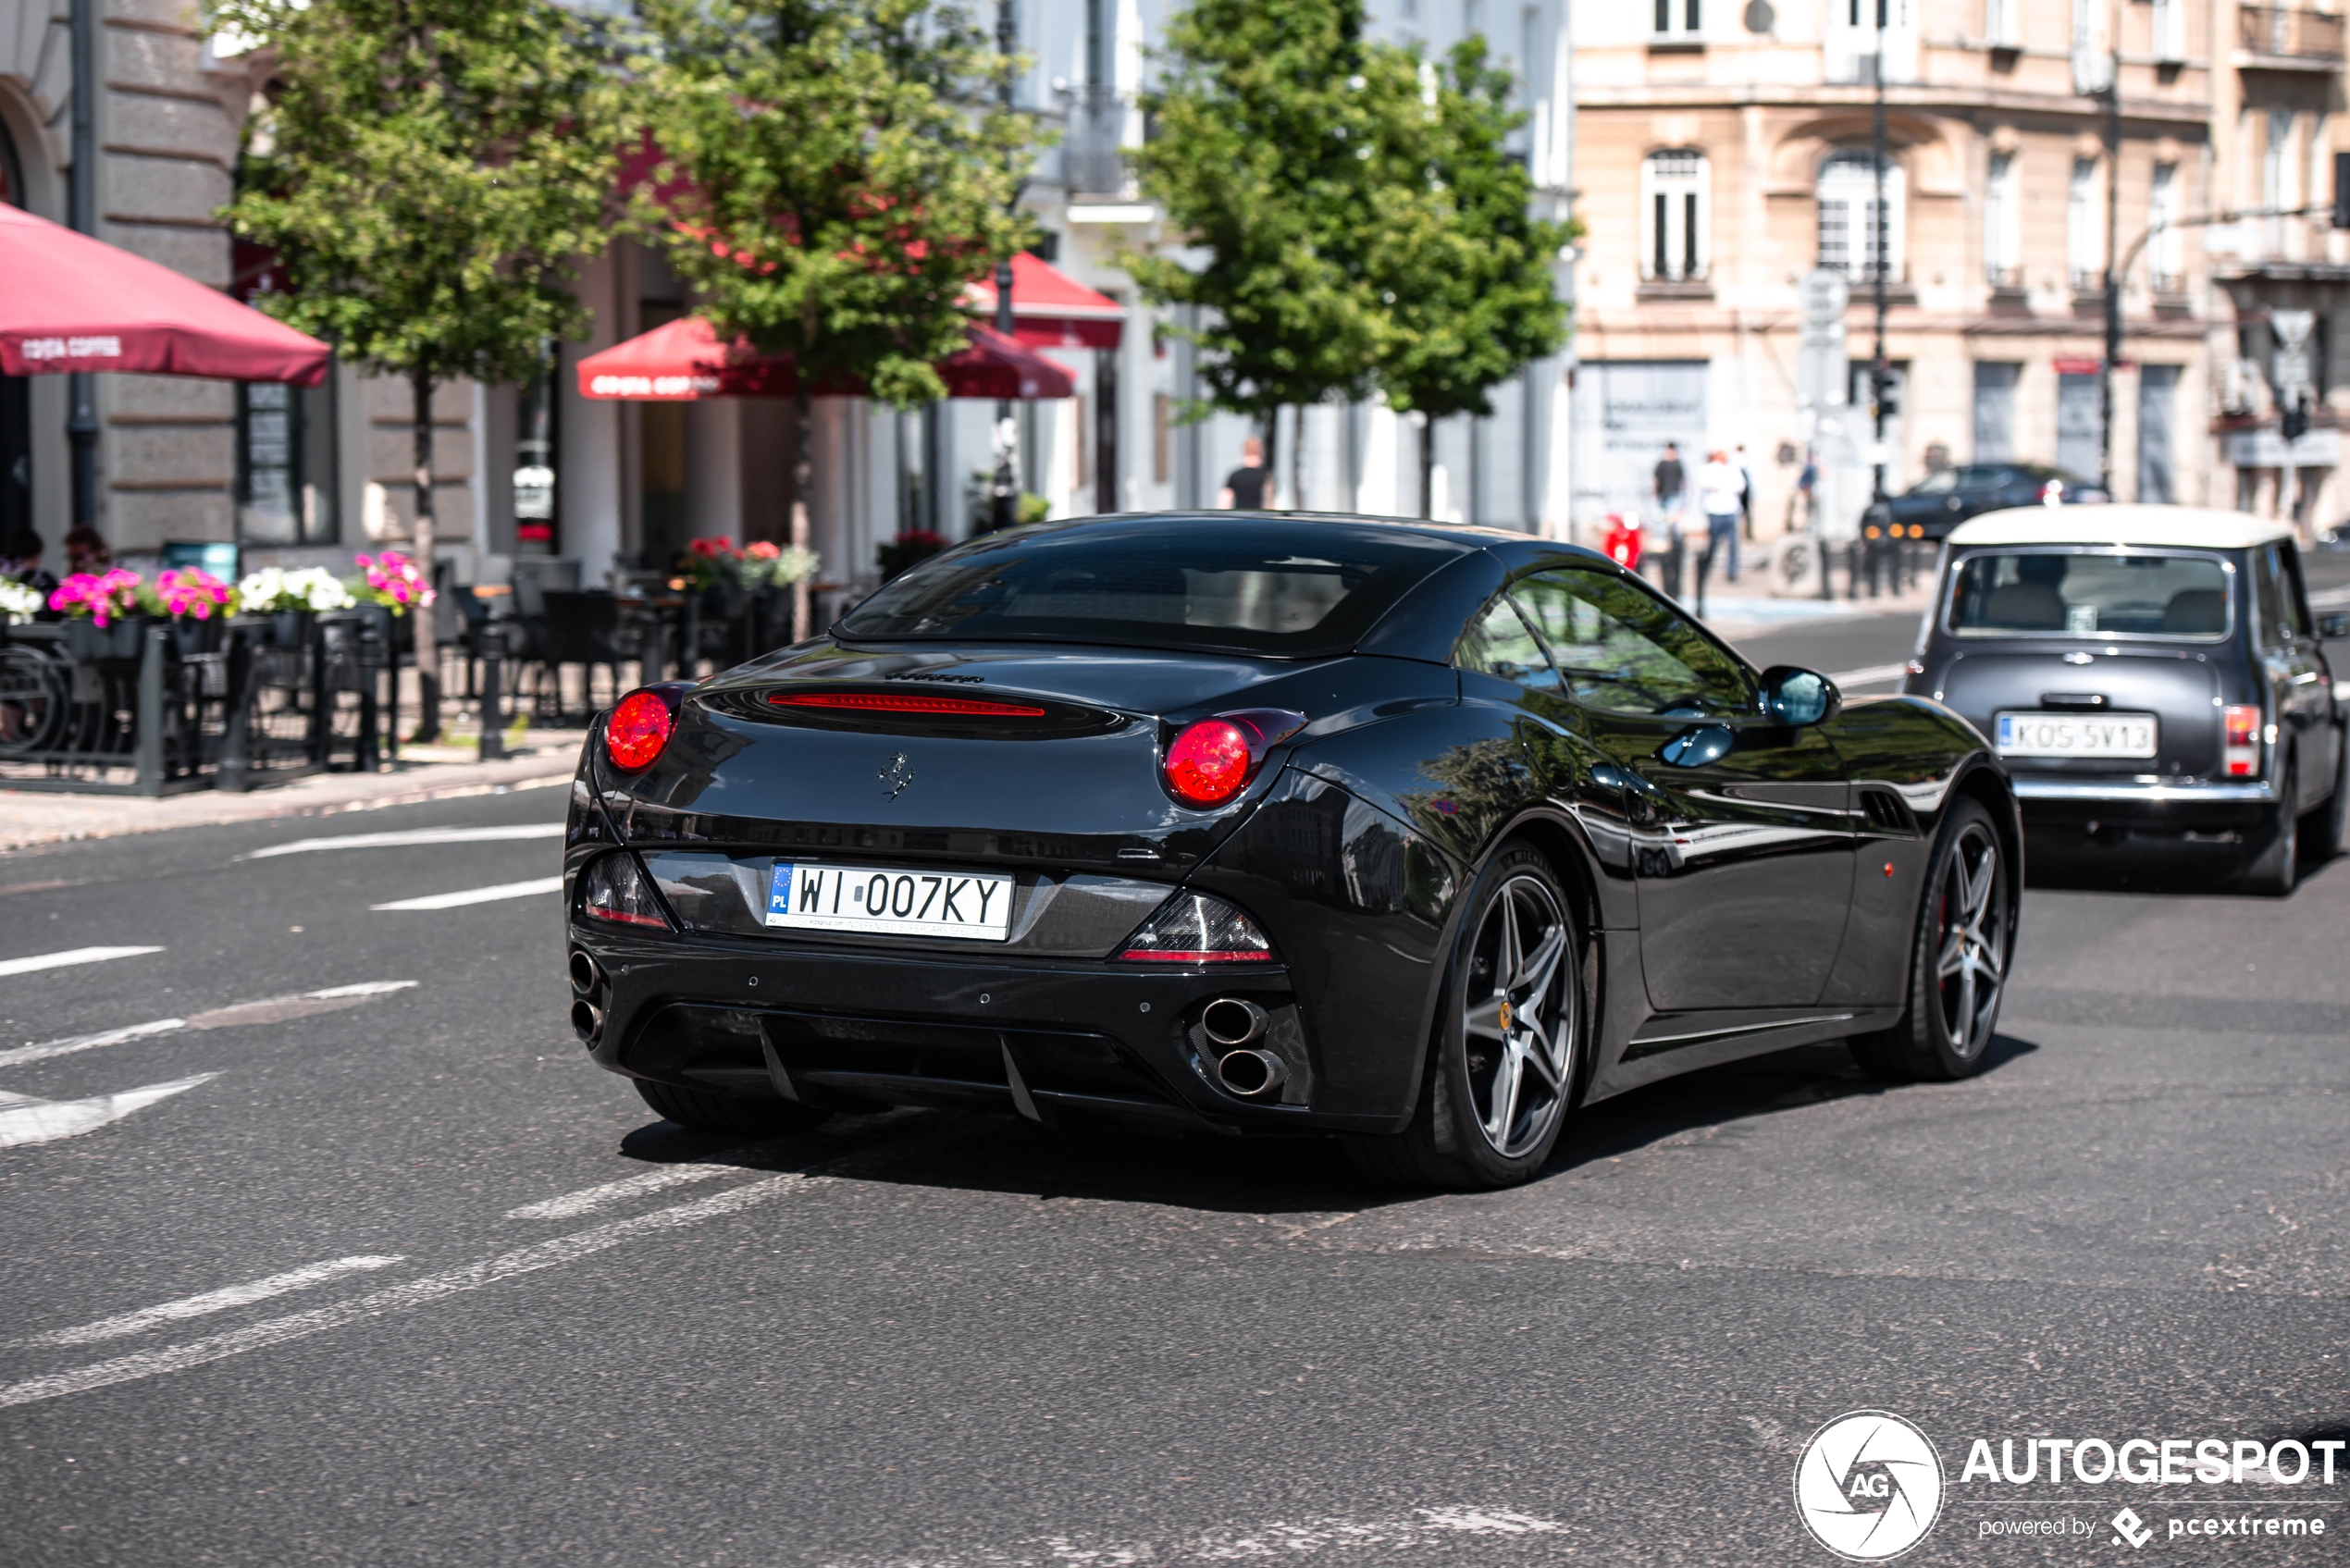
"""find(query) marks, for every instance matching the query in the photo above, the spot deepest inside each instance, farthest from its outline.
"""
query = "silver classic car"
(2154, 679)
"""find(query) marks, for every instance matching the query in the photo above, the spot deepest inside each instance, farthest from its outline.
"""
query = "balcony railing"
(1092, 162)
(2288, 32)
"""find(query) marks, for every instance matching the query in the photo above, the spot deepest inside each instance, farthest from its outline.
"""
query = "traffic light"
(2295, 422)
(1882, 384)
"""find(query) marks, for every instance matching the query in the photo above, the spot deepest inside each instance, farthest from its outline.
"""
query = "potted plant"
(389, 584)
(19, 603)
(195, 602)
(290, 599)
(101, 612)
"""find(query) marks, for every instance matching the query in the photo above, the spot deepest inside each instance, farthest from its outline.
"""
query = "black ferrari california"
(1414, 835)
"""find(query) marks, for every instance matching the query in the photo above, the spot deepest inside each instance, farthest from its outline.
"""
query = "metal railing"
(2290, 32)
(1092, 161)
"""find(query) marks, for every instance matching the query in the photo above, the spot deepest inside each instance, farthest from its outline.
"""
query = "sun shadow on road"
(1268, 1177)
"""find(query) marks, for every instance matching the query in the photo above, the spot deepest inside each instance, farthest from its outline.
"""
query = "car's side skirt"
(1666, 1044)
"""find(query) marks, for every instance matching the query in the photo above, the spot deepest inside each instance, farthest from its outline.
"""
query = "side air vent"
(1887, 812)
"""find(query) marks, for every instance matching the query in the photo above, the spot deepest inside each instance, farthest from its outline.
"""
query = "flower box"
(115, 642)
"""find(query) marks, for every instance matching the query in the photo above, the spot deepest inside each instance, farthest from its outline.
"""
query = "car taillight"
(897, 702)
(1207, 763)
(638, 730)
(615, 890)
(1193, 928)
(1211, 760)
(2243, 755)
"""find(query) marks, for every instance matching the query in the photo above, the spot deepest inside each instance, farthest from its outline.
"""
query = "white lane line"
(571, 1205)
(24, 1119)
(409, 836)
(66, 1047)
(219, 1017)
(476, 895)
(403, 1298)
(1410, 1537)
(1870, 675)
(222, 1300)
(71, 959)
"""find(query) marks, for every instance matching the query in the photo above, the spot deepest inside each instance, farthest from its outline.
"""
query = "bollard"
(235, 774)
(149, 738)
(493, 734)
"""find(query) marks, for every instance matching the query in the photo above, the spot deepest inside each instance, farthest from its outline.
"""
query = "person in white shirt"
(1719, 492)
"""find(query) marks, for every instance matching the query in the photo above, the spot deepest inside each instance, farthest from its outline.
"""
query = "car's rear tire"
(1964, 941)
(706, 1111)
(2275, 867)
(1512, 1023)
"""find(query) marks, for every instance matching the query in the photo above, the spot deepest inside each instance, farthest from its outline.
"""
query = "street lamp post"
(2114, 278)
(1880, 373)
(1001, 509)
(81, 215)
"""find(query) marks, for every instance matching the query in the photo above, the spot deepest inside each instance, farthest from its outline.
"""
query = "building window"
(2002, 225)
(2276, 175)
(2092, 50)
(2084, 227)
(1995, 410)
(1678, 18)
(2000, 28)
(1674, 197)
(533, 476)
(2169, 29)
(2168, 247)
(1854, 231)
(1855, 28)
(286, 463)
(2157, 404)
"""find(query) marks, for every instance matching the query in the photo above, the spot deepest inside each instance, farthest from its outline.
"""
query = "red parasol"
(683, 363)
(1050, 309)
(71, 303)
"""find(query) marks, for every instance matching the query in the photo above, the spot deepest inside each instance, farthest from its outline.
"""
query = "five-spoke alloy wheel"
(1965, 941)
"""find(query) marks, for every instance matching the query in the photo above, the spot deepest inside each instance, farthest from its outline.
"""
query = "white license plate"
(891, 902)
(2075, 734)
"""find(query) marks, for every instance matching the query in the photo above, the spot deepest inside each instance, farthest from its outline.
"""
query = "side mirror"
(1796, 697)
(2334, 625)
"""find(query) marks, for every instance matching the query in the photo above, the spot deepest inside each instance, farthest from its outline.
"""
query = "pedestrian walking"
(1668, 487)
(1244, 486)
(1807, 488)
(1717, 494)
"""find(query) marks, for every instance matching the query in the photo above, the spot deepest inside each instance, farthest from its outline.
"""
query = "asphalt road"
(394, 1277)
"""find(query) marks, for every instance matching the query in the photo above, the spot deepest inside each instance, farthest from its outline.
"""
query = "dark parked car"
(1411, 835)
(1942, 500)
(2152, 675)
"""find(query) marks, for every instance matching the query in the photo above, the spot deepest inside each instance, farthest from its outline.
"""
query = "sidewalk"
(424, 772)
(1741, 617)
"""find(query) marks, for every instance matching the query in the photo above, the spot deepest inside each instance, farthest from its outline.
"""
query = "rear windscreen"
(2069, 593)
(1242, 585)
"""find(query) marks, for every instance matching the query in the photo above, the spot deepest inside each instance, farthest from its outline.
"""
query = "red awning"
(71, 303)
(683, 363)
(1050, 309)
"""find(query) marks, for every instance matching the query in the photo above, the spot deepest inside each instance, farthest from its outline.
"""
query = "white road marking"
(24, 1119)
(409, 836)
(222, 1300)
(1405, 1539)
(1870, 675)
(2329, 598)
(66, 1047)
(71, 960)
(571, 1205)
(477, 894)
(403, 1298)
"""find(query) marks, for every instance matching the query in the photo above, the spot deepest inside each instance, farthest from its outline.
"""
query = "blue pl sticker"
(779, 890)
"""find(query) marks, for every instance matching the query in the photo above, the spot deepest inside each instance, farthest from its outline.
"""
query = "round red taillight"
(637, 730)
(1207, 763)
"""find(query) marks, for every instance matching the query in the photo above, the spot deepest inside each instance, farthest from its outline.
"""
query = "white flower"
(17, 601)
(313, 587)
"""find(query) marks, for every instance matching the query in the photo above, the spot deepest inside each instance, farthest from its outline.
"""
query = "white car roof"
(2176, 527)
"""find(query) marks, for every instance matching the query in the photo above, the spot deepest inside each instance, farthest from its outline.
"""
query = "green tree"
(427, 171)
(1464, 268)
(1276, 133)
(835, 172)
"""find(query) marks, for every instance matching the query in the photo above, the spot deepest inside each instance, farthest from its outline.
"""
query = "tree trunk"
(1273, 458)
(427, 645)
(1297, 462)
(1428, 467)
(801, 468)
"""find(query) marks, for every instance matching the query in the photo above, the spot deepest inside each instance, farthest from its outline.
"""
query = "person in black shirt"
(1244, 486)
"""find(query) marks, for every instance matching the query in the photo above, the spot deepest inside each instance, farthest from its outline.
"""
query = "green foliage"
(429, 170)
(1465, 271)
(834, 173)
(1275, 137)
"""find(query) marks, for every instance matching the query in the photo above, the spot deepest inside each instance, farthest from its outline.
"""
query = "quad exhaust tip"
(585, 1019)
(584, 973)
(1232, 1026)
